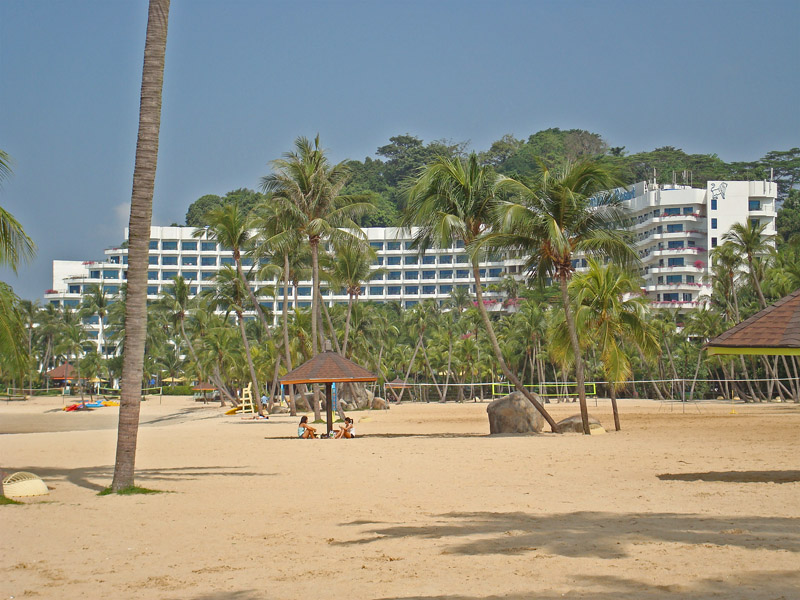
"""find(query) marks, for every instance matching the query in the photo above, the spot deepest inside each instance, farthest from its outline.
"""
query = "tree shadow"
(735, 476)
(779, 584)
(86, 477)
(589, 534)
(443, 435)
(227, 595)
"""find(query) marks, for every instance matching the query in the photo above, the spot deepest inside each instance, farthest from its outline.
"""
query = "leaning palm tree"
(455, 200)
(308, 187)
(144, 174)
(229, 295)
(564, 214)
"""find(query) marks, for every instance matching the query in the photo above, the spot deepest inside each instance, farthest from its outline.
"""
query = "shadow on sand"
(87, 477)
(776, 584)
(590, 534)
(735, 476)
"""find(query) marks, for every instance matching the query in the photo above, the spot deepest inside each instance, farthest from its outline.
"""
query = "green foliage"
(246, 199)
(789, 216)
(178, 390)
(7, 500)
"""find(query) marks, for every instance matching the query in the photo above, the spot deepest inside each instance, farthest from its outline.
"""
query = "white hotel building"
(674, 228)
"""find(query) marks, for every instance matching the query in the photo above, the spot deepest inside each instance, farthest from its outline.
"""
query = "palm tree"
(96, 303)
(229, 294)
(455, 200)
(751, 243)
(307, 187)
(230, 226)
(144, 174)
(350, 269)
(565, 213)
(610, 312)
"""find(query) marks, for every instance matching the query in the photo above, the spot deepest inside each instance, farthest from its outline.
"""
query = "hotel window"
(754, 205)
(152, 259)
(114, 260)
(393, 245)
(152, 290)
(445, 289)
(713, 242)
(393, 290)
(188, 260)
(660, 279)
(226, 260)
(462, 259)
(429, 260)
(674, 279)
(688, 210)
(412, 260)
(412, 275)
(460, 244)
(111, 274)
(208, 246)
(247, 261)
(428, 289)
(193, 290)
(169, 275)
(675, 244)
(410, 303)
(671, 297)
(446, 274)
(687, 297)
(446, 259)
(675, 228)
(461, 274)
(713, 223)
(169, 260)
(409, 245)
(152, 275)
(412, 290)
(189, 275)
(208, 261)
(376, 245)
(304, 291)
(206, 275)
(94, 274)
(74, 289)
(112, 289)
(169, 245)
(690, 279)
(153, 244)
(675, 262)
(713, 204)
(393, 276)
(495, 272)
(671, 212)
(376, 290)
(429, 274)
(188, 245)
(393, 260)
(125, 260)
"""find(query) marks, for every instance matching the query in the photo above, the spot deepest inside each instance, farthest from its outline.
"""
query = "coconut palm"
(562, 214)
(230, 226)
(306, 186)
(753, 245)
(229, 294)
(454, 200)
(144, 174)
(96, 304)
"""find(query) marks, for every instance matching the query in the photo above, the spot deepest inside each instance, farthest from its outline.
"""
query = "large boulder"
(514, 414)
(379, 403)
(574, 424)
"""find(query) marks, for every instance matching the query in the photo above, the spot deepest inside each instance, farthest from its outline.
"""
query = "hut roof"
(774, 330)
(204, 387)
(328, 367)
(397, 383)
(63, 371)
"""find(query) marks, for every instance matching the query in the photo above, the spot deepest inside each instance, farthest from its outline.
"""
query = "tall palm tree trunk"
(576, 350)
(285, 317)
(612, 392)
(251, 294)
(314, 242)
(499, 355)
(347, 324)
(144, 174)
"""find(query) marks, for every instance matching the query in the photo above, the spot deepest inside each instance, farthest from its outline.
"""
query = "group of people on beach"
(307, 432)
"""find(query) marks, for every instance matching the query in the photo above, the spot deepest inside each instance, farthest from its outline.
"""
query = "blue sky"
(244, 78)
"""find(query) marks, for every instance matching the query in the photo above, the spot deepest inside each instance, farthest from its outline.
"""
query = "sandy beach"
(423, 504)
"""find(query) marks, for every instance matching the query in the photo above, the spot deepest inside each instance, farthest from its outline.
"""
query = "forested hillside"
(382, 179)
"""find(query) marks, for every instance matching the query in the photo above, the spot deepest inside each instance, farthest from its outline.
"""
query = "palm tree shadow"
(735, 476)
(86, 477)
(781, 584)
(586, 534)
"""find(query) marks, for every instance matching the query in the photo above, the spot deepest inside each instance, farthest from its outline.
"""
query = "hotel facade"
(674, 228)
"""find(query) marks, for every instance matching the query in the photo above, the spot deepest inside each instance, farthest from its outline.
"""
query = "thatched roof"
(327, 367)
(60, 371)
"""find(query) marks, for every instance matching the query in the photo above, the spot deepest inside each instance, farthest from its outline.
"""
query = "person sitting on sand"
(347, 430)
(304, 430)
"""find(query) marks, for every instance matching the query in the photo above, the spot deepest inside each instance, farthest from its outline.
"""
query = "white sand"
(424, 505)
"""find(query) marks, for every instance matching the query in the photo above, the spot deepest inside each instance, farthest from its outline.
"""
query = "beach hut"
(772, 331)
(201, 390)
(62, 374)
(394, 385)
(328, 368)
